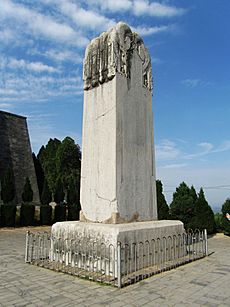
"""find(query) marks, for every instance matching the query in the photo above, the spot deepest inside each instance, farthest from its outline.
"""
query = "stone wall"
(15, 153)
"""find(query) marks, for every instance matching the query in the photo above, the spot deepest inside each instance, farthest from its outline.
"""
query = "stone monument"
(118, 193)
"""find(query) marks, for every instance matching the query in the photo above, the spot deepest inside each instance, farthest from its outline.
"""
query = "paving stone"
(196, 284)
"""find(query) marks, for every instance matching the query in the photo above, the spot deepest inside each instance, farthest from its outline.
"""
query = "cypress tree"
(182, 206)
(203, 214)
(162, 207)
(27, 194)
(46, 196)
(7, 187)
(59, 193)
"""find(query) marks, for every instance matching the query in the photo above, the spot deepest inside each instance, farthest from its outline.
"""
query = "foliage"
(73, 212)
(7, 187)
(8, 213)
(61, 163)
(27, 214)
(59, 193)
(39, 173)
(46, 196)
(45, 215)
(225, 221)
(73, 190)
(60, 213)
(68, 163)
(203, 215)
(182, 206)
(162, 207)
(27, 194)
(218, 221)
(47, 158)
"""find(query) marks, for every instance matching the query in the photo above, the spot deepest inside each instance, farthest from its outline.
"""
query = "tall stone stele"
(118, 165)
(118, 193)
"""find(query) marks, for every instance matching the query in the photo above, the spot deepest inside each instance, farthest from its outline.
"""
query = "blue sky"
(41, 50)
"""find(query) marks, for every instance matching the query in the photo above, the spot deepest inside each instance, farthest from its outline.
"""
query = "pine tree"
(203, 214)
(46, 196)
(182, 206)
(39, 173)
(27, 194)
(59, 193)
(7, 187)
(162, 207)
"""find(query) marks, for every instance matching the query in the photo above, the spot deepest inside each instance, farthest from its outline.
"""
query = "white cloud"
(6, 36)
(34, 66)
(85, 18)
(40, 24)
(225, 146)
(144, 7)
(167, 150)
(138, 7)
(62, 56)
(191, 82)
(113, 6)
(152, 30)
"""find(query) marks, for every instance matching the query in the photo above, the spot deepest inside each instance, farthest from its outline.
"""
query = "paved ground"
(205, 282)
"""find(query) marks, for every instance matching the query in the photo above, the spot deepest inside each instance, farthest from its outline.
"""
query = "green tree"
(59, 193)
(218, 221)
(27, 194)
(39, 173)
(46, 196)
(225, 217)
(68, 162)
(162, 207)
(7, 187)
(47, 157)
(193, 194)
(182, 206)
(203, 214)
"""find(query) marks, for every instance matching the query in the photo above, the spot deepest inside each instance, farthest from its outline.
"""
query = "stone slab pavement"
(205, 282)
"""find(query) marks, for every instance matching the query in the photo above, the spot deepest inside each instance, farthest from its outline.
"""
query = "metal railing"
(118, 265)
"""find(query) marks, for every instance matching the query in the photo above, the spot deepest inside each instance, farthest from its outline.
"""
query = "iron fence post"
(206, 242)
(119, 265)
(27, 246)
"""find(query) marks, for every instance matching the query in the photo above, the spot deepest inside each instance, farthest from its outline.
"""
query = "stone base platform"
(116, 250)
(107, 234)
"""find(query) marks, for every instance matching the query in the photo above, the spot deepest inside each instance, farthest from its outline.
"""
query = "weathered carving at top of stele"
(112, 52)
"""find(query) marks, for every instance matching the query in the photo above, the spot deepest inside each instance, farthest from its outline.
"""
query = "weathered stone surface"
(112, 234)
(15, 152)
(112, 52)
(118, 164)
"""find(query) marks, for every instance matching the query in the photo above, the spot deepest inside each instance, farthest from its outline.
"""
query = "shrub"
(27, 214)
(59, 192)
(46, 196)
(8, 213)
(46, 215)
(60, 213)
(7, 187)
(225, 221)
(218, 221)
(73, 212)
(27, 194)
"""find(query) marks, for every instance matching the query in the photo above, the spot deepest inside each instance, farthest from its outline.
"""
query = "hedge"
(27, 214)
(59, 213)
(73, 212)
(8, 213)
(46, 215)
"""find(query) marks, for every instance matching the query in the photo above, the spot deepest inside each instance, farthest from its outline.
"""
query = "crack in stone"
(99, 116)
